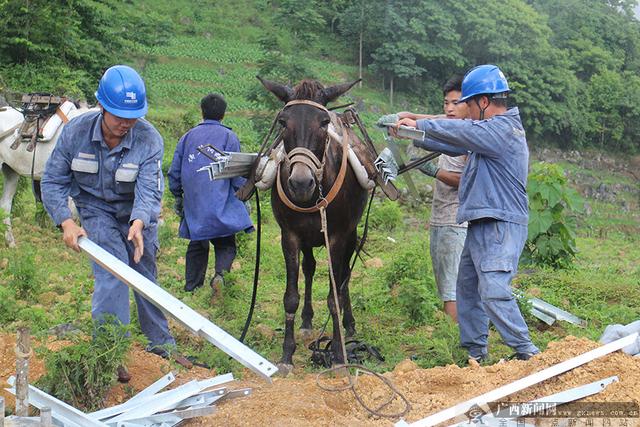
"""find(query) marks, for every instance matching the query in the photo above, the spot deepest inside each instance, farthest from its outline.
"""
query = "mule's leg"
(309, 269)
(8, 192)
(348, 321)
(291, 251)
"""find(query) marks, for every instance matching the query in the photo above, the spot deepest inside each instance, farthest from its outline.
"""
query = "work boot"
(522, 356)
(217, 282)
(123, 374)
(478, 360)
(182, 360)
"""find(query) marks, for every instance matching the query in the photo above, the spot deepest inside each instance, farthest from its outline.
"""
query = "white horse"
(20, 161)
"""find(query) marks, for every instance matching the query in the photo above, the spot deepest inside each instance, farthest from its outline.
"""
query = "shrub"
(552, 220)
(385, 216)
(417, 301)
(26, 280)
(82, 373)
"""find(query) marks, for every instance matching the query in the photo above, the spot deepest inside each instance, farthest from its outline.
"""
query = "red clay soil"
(298, 401)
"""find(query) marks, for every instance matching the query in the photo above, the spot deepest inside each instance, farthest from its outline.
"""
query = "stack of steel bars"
(229, 165)
(149, 408)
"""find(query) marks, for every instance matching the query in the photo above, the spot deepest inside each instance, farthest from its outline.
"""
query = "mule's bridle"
(307, 157)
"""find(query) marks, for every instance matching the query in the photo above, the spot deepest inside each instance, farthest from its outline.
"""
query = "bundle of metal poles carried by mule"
(183, 314)
(229, 165)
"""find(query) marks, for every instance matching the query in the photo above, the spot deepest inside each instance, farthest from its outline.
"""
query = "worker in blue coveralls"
(210, 211)
(109, 162)
(493, 200)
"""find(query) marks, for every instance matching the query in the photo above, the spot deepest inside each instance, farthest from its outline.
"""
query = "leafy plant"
(385, 216)
(418, 302)
(26, 280)
(82, 373)
(552, 221)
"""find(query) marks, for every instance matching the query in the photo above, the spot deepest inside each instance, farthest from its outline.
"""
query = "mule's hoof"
(216, 288)
(306, 334)
(339, 371)
(350, 332)
(284, 369)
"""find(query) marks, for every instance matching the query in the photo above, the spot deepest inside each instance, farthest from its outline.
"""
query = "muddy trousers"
(197, 259)
(488, 263)
(110, 295)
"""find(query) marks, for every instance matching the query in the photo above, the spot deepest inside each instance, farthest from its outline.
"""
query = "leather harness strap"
(337, 184)
(305, 102)
(62, 116)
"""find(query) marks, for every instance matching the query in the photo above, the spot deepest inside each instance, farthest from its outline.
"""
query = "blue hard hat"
(122, 93)
(483, 79)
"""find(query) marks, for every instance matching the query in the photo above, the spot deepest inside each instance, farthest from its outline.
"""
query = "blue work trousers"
(110, 295)
(488, 263)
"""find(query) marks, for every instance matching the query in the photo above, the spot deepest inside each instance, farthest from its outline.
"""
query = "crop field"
(43, 284)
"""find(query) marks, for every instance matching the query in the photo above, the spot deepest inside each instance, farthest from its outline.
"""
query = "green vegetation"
(81, 373)
(552, 220)
(220, 46)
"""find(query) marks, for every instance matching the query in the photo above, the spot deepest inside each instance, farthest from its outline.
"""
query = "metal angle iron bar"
(168, 400)
(172, 418)
(549, 320)
(204, 398)
(556, 312)
(182, 313)
(149, 391)
(61, 411)
(556, 399)
(157, 403)
(522, 383)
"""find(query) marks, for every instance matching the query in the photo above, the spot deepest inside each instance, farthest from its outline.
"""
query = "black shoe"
(521, 356)
(123, 375)
(191, 288)
(483, 358)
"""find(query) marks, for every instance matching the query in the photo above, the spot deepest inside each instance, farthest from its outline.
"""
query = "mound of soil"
(299, 401)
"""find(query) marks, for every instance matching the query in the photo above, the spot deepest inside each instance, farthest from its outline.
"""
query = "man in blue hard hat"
(109, 162)
(493, 200)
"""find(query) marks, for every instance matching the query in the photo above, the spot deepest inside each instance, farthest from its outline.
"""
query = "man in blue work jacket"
(210, 211)
(109, 162)
(493, 200)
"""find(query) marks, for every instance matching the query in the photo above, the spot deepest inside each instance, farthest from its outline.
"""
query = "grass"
(394, 298)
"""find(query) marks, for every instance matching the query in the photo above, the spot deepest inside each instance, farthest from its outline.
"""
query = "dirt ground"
(298, 401)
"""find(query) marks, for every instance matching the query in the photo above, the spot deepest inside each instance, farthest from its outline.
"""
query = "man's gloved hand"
(178, 206)
(429, 168)
(389, 118)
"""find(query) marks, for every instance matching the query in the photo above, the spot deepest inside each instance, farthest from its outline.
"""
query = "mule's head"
(305, 127)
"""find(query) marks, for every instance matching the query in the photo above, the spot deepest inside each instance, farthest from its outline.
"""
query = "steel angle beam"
(182, 313)
(205, 398)
(64, 413)
(236, 156)
(158, 402)
(149, 391)
(551, 401)
(556, 312)
(522, 383)
(171, 418)
(543, 316)
(168, 400)
(242, 392)
(217, 380)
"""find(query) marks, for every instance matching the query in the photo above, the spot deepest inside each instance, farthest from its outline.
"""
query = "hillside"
(220, 47)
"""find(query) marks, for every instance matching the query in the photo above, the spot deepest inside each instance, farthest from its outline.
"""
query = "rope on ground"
(353, 381)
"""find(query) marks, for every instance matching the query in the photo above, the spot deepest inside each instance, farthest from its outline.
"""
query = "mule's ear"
(284, 93)
(332, 93)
